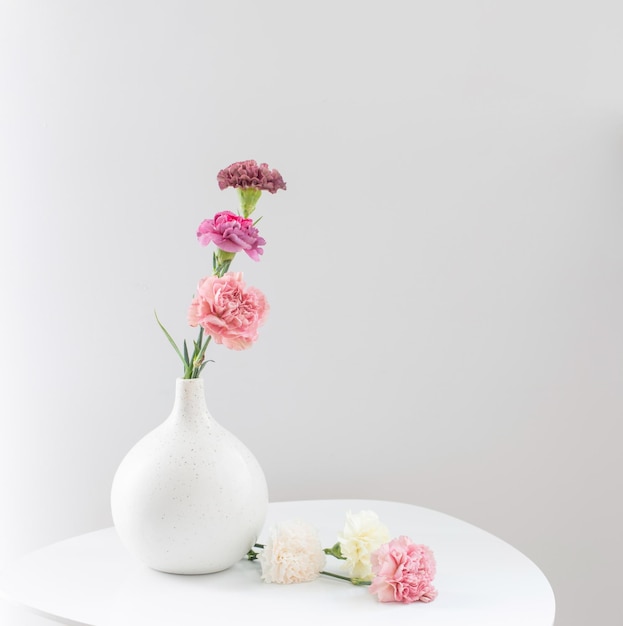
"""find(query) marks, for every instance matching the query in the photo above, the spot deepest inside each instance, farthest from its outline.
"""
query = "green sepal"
(248, 197)
(203, 365)
(335, 551)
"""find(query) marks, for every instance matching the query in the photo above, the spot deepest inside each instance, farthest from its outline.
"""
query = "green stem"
(252, 554)
(354, 581)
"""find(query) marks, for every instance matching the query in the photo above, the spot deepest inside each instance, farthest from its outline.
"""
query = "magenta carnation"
(231, 233)
(228, 311)
(246, 174)
(403, 572)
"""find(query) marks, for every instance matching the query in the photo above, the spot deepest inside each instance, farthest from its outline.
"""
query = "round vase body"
(189, 498)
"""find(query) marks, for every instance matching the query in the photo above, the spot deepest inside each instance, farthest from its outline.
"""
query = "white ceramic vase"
(189, 498)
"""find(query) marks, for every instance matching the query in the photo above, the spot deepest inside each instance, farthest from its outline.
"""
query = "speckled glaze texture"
(189, 498)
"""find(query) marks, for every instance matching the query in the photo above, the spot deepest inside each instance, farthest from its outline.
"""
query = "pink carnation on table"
(228, 311)
(231, 233)
(403, 572)
(246, 174)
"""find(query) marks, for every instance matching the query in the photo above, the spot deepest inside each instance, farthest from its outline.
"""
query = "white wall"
(445, 270)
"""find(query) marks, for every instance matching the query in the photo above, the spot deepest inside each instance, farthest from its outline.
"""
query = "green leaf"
(164, 330)
(203, 349)
(203, 365)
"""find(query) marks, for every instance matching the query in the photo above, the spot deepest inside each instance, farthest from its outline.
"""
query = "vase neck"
(190, 404)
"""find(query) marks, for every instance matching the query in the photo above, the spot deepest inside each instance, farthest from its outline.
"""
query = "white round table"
(92, 580)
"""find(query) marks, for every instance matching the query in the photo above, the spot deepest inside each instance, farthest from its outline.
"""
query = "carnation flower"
(403, 571)
(293, 554)
(228, 311)
(231, 233)
(249, 174)
(363, 533)
(250, 179)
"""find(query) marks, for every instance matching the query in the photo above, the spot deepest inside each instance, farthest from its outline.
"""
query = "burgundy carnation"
(244, 174)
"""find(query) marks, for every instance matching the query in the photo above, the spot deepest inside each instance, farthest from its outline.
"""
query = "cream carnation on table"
(363, 533)
(292, 554)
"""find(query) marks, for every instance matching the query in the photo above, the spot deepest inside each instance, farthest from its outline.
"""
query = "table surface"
(92, 580)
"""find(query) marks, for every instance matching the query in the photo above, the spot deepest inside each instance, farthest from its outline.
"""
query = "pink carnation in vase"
(231, 233)
(228, 311)
(403, 572)
(249, 174)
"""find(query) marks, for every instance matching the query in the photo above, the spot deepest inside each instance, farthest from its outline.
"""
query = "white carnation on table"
(292, 554)
(363, 533)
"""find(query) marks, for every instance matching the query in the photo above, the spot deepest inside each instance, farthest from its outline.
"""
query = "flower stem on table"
(353, 581)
